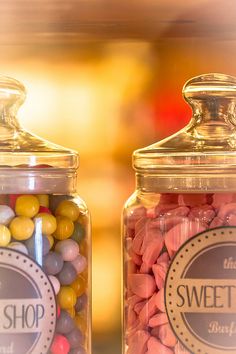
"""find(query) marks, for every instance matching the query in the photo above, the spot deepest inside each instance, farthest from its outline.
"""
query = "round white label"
(200, 292)
(27, 305)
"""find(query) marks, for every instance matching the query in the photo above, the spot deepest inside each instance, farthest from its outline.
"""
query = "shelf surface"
(25, 21)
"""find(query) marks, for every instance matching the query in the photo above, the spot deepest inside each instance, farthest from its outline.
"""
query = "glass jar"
(44, 241)
(180, 232)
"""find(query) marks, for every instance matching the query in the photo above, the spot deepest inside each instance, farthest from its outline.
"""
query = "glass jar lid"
(28, 162)
(18, 146)
(204, 152)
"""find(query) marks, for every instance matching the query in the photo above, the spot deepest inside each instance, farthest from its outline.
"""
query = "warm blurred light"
(106, 281)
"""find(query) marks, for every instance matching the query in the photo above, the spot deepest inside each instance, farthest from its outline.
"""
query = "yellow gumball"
(79, 285)
(43, 200)
(51, 240)
(65, 228)
(69, 209)
(66, 298)
(49, 223)
(27, 205)
(21, 228)
(5, 236)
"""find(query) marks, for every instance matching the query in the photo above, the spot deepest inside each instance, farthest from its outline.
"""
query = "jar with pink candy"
(179, 230)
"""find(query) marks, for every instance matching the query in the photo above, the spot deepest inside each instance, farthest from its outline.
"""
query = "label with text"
(27, 305)
(200, 292)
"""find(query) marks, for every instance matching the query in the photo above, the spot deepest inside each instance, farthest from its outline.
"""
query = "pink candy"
(153, 236)
(142, 285)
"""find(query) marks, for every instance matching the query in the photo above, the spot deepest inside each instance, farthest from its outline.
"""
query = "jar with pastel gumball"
(44, 241)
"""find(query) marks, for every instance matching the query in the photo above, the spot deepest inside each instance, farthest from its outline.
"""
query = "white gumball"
(6, 214)
(69, 249)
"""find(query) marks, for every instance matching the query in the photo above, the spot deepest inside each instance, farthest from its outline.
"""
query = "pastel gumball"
(176, 236)
(55, 283)
(67, 274)
(6, 214)
(69, 249)
(216, 222)
(158, 320)
(167, 336)
(65, 323)
(78, 350)
(138, 342)
(52, 263)
(75, 338)
(18, 246)
(156, 347)
(160, 301)
(148, 310)
(226, 210)
(79, 263)
(142, 285)
(60, 345)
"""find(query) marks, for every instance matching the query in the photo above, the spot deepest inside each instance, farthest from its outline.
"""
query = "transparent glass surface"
(185, 195)
(45, 231)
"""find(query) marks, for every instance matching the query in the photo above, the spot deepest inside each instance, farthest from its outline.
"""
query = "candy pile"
(152, 238)
(58, 243)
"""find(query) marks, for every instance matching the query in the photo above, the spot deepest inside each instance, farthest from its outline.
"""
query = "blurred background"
(105, 78)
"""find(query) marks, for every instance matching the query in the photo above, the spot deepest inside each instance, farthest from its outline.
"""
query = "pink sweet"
(226, 210)
(158, 320)
(176, 236)
(204, 213)
(133, 215)
(153, 250)
(194, 199)
(133, 300)
(216, 222)
(231, 220)
(165, 223)
(160, 270)
(139, 306)
(142, 285)
(156, 347)
(164, 208)
(138, 342)
(140, 230)
(167, 336)
(220, 199)
(148, 310)
(160, 302)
